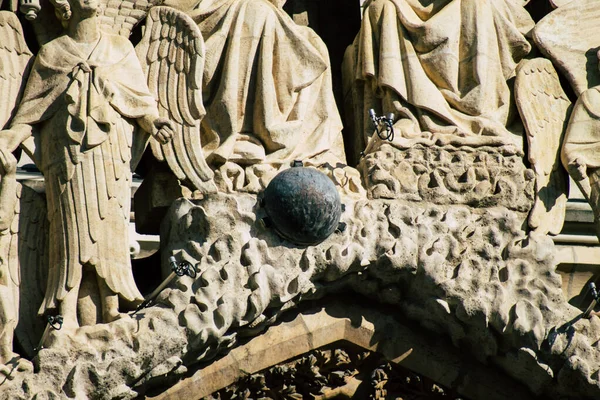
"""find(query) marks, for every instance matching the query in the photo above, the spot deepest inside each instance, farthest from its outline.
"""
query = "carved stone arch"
(366, 326)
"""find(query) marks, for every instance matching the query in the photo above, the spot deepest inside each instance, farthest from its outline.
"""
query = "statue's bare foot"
(112, 315)
(68, 325)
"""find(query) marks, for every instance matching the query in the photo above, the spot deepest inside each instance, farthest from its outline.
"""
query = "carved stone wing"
(545, 110)
(172, 55)
(33, 262)
(23, 254)
(121, 16)
(570, 37)
(14, 62)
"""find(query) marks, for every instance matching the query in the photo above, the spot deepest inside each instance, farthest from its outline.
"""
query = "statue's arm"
(8, 188)
(11, 138)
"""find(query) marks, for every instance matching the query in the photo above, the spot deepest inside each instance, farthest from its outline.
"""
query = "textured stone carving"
(173, 64)
(24, 269)
(480, 177)
(332, 372)
(283, 110)
(568, 36)
(545, 110)
(573, 48)
(16, 56)
(438, 237)
(579, 152)
(441, 68)
(446, 77)
(470, 274)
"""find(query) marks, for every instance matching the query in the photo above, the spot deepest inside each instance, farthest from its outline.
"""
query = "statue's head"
(64, 8)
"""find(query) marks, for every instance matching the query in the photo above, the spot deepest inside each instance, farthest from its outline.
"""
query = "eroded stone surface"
(465, 273)
(479, 177)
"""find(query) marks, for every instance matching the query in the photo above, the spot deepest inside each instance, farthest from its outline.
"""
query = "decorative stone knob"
(303, 205)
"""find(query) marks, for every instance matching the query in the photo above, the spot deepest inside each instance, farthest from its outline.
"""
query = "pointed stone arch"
(368, 326)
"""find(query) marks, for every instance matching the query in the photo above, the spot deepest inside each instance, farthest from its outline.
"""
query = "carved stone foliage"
(335, 372)
(479, 177)
(233, 178)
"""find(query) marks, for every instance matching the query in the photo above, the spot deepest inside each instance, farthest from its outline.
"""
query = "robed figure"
(84, 94)
(266, 86)
(442, 67)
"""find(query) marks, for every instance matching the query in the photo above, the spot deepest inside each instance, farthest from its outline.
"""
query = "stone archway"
(367, 326)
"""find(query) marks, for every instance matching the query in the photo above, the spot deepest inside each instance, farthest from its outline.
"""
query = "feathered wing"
(545, 110)
(570, 37)
(23, 261)
(23, 254)
(28, 259)
(172, 56)
(14, 61)
(119, 17)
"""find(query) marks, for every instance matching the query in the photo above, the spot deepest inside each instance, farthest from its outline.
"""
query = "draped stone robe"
(84, 107)
(441, 66)
(266, 86)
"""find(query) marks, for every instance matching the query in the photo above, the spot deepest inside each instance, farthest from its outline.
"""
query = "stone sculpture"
(580, 149)
(267, 91)
(87, 151)
(445, 70)
(85, 89)
(421, 61)
(574, 50)
(9, 277)
(17, 56)
(267, 88)
(438, 240)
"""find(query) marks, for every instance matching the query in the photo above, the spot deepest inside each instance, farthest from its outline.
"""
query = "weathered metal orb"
(303, 205)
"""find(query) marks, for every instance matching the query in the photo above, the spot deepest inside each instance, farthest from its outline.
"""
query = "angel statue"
(580, 153)
(573, 49)
(442, 67)
(85, 91)
(89, 93)
(15, 56)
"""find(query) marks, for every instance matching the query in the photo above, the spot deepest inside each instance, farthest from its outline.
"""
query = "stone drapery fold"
(266, 86)
(442, 68)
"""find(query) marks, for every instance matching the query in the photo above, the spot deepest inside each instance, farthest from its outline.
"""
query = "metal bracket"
(177, 270)
(52, 321)
(595, 299)
(384, 125)
(55, 321)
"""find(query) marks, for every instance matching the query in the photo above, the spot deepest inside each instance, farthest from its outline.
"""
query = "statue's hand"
(162, 130)
(8, 163)
(577, 170)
